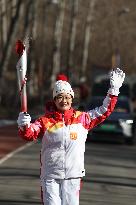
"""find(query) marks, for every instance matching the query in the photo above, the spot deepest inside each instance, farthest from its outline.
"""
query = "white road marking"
(11, 154)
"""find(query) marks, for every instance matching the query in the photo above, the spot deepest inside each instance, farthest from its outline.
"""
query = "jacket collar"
(52, 112)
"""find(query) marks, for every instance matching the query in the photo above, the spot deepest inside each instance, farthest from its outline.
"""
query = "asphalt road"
(8, 138)
(110, 176)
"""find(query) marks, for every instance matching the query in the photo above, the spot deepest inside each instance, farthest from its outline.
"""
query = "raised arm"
(99, 114)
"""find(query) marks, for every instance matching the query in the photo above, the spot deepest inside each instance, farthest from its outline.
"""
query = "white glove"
(117, 77)
(23, 119)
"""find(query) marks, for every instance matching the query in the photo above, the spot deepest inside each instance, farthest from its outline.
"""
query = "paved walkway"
(110, 177)
(9, 140)
(19, 168)
(19, 177)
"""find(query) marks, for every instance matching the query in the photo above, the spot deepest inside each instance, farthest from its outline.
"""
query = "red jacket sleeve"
(33, 132)
(99, 114)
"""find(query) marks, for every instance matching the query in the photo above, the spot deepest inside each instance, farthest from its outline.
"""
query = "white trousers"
(60, 191)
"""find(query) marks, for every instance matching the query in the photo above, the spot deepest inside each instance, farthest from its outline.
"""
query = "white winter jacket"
(63, 138)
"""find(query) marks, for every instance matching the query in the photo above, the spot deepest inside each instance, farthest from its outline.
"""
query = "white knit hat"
(62, 86)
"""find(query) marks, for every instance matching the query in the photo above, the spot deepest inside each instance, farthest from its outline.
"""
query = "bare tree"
(73, 27)
(4, 20)
(88, 33)
(57, 40)
(10, 33)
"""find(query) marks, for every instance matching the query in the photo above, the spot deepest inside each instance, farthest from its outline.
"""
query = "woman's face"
(63, 101)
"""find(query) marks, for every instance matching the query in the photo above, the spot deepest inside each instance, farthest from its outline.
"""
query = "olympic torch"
(21, 50)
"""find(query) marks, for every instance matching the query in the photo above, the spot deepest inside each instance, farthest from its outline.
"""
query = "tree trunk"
(74, 11)
(88, 34)
(57, 41)
(11, 33)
